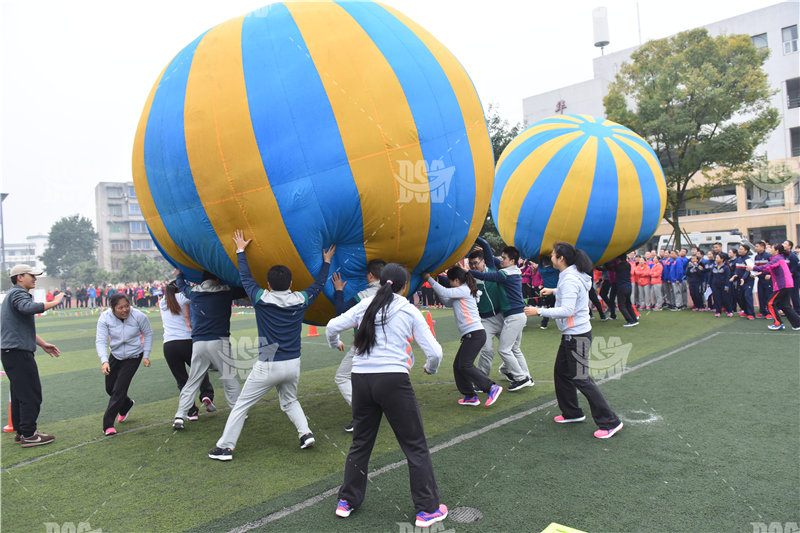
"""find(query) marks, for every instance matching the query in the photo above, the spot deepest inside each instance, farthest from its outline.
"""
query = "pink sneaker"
(607, 433)
(730, 314)
(716, 315)
(428, 519)
(561, 420)
(110, 431)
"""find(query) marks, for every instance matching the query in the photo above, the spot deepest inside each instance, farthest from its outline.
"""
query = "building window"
(796, 191)
(115, 227)
(758, 198)
(115, 210)
(114, 192)
(793, 93)
(794, 139)
(768, 234)
(789, 35)
(117, 246)
(760, 40)
(141, 245)
(137, 227)
(132, 192)
(134, 209)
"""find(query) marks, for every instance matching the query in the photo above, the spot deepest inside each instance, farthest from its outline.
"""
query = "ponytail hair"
(779, 249)
(573, 256)
(169, 297)
(393, 279)
(463, 277)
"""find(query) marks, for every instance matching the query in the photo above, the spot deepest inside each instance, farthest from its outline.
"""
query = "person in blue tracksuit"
(279, 319)
(793, 262)
(764, 283)
(720, 285)
(741, 278)
(210, 305)
(695, 275)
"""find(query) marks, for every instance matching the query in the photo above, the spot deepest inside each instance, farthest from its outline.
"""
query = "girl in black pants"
(461, 297)
(174, 307)
(381, 386)
(126, 333)
(622, 269)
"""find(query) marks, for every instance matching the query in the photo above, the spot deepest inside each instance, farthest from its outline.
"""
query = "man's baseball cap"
(24, 269)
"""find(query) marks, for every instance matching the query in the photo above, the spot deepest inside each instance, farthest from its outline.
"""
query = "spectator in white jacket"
(127, 333)
(387, 323)
(571, 372)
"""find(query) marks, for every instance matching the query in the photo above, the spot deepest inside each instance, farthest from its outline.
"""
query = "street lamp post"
(3, 196)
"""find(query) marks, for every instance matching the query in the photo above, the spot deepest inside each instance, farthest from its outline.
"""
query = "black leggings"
(624, 301)
(118, 381)
(596, 301)
(179, 355)
(467, 376)
(608, 292)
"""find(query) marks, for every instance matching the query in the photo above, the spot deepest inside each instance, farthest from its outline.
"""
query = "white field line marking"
(457, 440)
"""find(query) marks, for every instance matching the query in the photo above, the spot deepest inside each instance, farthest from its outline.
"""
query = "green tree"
(501, 133)
(88, 273)
(140, 268)
(72, 240)
(703, 105)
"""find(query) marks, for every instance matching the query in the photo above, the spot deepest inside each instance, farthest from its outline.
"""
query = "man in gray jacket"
(18, 342)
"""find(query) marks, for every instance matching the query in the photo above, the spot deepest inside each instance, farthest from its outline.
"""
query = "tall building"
(120, 225)
(770, 213)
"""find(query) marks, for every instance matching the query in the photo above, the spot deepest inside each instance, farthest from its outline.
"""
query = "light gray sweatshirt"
(465, 307)
(392, 350)
(126, 338)
(572, 302)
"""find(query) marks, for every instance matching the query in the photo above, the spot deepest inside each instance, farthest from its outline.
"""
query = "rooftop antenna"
(600, 25)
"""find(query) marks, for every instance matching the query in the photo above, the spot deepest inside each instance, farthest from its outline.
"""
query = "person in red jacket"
(655, 284)
(641, 275)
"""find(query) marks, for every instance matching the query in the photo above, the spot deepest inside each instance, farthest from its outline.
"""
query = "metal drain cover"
(464, 514)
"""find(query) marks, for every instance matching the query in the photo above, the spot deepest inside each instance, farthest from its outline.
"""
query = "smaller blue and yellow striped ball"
(580, 179)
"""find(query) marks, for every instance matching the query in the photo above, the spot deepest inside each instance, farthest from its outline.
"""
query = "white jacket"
(126, 338)
(572, 302)
(392, 350)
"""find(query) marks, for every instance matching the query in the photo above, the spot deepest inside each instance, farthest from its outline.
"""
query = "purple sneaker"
(343, 509)
(428, 519)
(494, 393)
(469, 400)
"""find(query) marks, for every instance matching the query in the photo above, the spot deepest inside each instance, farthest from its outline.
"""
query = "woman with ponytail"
(387, 323)
(571, 372)
(462, 297)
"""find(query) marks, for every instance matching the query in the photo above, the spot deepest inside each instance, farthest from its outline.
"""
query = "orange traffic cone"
(312, 331)
(431, 322)
(10, 427)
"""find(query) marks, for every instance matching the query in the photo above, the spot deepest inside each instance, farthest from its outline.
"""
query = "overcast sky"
(75, 74)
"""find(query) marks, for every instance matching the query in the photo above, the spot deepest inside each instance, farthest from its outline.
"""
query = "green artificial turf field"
(711, 442)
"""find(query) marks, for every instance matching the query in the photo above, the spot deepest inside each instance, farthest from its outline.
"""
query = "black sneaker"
(194, 413)
(349, 427)
(221, 454)
(178, 423)
(508, 377)
(307, 441)
(521, 384)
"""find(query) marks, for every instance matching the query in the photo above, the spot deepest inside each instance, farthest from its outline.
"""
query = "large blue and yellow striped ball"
(309, 124)
(580, 179)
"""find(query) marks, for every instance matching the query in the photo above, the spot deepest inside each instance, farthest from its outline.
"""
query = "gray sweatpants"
(342, 377)
(508, 347)
(493, 326)
(655, 291)
(283, 375)
(216, 354)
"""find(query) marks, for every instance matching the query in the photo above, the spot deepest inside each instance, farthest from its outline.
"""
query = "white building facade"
(754, 212)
